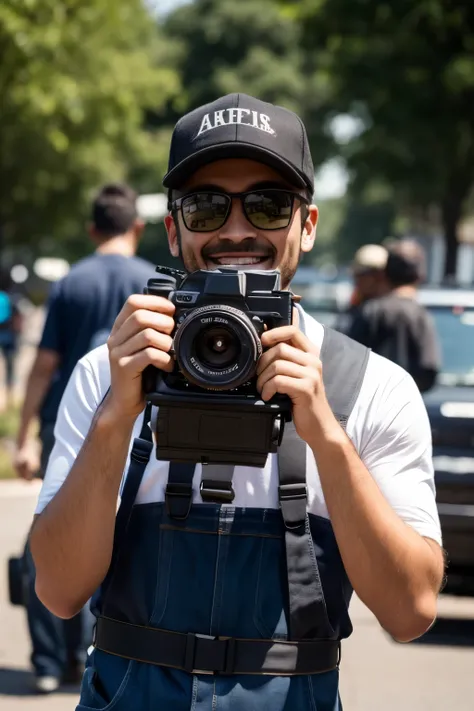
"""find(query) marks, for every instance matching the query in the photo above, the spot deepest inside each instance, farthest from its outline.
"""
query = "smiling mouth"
(238, 259)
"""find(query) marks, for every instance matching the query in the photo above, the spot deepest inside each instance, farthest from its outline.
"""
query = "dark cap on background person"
(241, 126)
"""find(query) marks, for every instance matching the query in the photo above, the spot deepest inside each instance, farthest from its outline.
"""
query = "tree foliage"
(75, 79)
(249, 46)
(406, 69)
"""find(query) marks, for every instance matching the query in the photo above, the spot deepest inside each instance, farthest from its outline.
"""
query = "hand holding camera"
(291, 366)
(141, 337)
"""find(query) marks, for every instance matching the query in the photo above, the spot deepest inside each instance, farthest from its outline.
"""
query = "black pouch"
(18, 581)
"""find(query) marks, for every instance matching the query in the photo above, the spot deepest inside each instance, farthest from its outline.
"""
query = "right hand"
(26, 462)
(141, 336)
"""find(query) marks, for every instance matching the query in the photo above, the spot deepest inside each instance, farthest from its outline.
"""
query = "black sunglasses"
(266, 209)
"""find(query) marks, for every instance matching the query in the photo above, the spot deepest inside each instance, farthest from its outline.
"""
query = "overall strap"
(179, 489)
(308, 614)
(216, 487)
(344, 365)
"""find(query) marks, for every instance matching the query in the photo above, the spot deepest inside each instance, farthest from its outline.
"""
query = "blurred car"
(450, 406)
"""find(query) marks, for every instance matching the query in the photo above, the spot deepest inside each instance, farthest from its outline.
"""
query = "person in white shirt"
(200, 611)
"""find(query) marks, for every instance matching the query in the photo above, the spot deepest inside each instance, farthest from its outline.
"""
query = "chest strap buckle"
(221, 492)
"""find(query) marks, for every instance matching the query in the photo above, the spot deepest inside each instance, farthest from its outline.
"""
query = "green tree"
(249, 46)
(76, 77)
(406, 69)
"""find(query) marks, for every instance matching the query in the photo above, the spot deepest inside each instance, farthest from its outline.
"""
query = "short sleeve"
(51, 338)
(396, 448)
(79, 403)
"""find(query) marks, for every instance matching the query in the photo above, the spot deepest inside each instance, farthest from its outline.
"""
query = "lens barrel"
(217, 347)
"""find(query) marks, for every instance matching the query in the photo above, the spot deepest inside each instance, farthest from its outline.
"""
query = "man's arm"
(38, 384)
(72, 539)
(395, 571)
(48, 359)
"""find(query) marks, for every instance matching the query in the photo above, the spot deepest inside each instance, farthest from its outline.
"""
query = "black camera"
(209, 407)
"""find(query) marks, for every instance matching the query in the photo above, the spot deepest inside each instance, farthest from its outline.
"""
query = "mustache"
(247, 246)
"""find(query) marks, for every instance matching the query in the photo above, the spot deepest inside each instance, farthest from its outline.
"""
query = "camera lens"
(217, 347)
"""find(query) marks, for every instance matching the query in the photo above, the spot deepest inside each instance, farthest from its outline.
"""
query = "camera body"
(209, 408)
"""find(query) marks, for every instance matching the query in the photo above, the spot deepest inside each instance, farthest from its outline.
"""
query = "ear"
(172, 235)
(309, 229)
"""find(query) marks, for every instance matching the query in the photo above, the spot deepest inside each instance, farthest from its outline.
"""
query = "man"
(81, 311)
(11, 323)
(368, 273)
(203, 589)
(396, 325)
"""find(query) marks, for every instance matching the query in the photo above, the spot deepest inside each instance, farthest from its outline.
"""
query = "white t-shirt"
(388, 426)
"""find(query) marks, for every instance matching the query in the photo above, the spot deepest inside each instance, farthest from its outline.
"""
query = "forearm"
(36, 388)
(72, 539)
(392, 568)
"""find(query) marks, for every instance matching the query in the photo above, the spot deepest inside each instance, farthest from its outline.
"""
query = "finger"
(288, 334)
(283, 351)
(280, 367)
(284, 385)
(132, 366)
(149, 338)
(146, 302)
(139, 321)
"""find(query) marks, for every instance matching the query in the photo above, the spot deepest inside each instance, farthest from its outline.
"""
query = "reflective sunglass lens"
(269, 210)
(205, 212)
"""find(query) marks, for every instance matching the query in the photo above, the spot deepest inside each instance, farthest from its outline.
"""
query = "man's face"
(238, 242)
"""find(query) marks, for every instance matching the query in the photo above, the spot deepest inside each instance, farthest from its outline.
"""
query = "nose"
(237, 228)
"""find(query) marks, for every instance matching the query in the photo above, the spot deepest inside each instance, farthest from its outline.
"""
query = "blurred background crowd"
(91, 89)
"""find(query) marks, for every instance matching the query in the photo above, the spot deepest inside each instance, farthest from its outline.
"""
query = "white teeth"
(239, 260)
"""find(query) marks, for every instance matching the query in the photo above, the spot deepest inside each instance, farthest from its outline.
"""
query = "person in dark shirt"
(11, 323)
(396, 325)
(81, 311)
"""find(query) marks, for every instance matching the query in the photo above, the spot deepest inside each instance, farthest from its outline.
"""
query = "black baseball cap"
(240, 126)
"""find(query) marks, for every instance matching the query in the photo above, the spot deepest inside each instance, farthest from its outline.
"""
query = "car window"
(455, 329)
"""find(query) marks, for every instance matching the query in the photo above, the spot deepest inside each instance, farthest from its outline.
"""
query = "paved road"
(376, 673)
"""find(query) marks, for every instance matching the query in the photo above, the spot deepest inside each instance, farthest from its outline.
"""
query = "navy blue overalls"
(238, 593)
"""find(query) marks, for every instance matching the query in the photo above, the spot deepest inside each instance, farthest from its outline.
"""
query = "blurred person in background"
(81, 310)
(368, 273)
(395, 325)
(11, 322)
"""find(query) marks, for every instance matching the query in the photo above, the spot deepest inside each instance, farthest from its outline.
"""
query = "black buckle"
(141, 450)
(178, 499)
(217, 491)
(287, 492)
(293, 498)
(225, 644)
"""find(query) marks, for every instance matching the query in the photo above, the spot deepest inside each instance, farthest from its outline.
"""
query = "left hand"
(291, 366)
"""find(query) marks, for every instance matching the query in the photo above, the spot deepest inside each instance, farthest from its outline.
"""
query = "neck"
(122, 244)
(408, 291)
